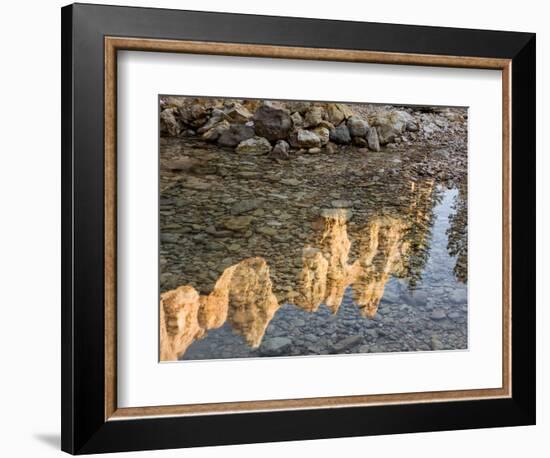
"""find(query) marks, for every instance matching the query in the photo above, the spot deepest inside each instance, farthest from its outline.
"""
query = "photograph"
(294, 228)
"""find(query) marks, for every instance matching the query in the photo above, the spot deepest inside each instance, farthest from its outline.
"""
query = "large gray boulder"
(357, 127)
(235, 135)
(390, 124)
(305, 139)
(272, 122)
(340, 134)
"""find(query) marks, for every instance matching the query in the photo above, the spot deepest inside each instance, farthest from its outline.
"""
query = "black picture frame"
(84, 428)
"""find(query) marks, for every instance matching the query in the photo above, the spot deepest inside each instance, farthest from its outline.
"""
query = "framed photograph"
(281, 228)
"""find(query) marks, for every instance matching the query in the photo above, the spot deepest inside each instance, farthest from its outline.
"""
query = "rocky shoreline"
(284, 128)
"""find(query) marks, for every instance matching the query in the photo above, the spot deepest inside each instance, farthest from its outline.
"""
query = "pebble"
(438, 314)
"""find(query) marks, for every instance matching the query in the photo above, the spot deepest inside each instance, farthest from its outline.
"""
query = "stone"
(170, 101)
(197, 183)
(346, 343)
(169, 238)
(357, 127)
(169, 125)
(281, 150)
(315, 150)
(307, 139)
(217, 116)
(360, 142)
(313, 117)
(214, 133)
(331, 148)
(334, 114)
(345, 109)
(254, 145)
(323, 133)
(327, 124)
(194, 114)
(235, 134)
(266, 230)
(390, 124)
(272, 122)
(372, 139)
(290, 181)
(340, 134)
(341, 203)
(298, 106)
(238, 114)
(458, 296)
(245, 206)
(275, 346)
(438, 314)
(238, 223)
(435, 343)
(297, 119)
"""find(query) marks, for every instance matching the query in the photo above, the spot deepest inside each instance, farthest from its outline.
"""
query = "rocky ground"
(385, 274)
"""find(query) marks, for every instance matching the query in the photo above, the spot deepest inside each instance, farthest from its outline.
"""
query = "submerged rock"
(254, 145)
(238, 223)
(347, 343)
(276, 346)
(438, 314)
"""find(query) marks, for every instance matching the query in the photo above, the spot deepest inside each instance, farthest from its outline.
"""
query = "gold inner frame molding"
(114, 44)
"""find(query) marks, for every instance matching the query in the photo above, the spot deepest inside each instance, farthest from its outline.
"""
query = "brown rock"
(272, 122)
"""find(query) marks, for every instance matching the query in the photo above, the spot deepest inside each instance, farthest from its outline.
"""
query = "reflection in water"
(385, 246)
(457, 234)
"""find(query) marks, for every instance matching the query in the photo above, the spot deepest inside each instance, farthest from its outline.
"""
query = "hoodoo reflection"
(391, 243)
